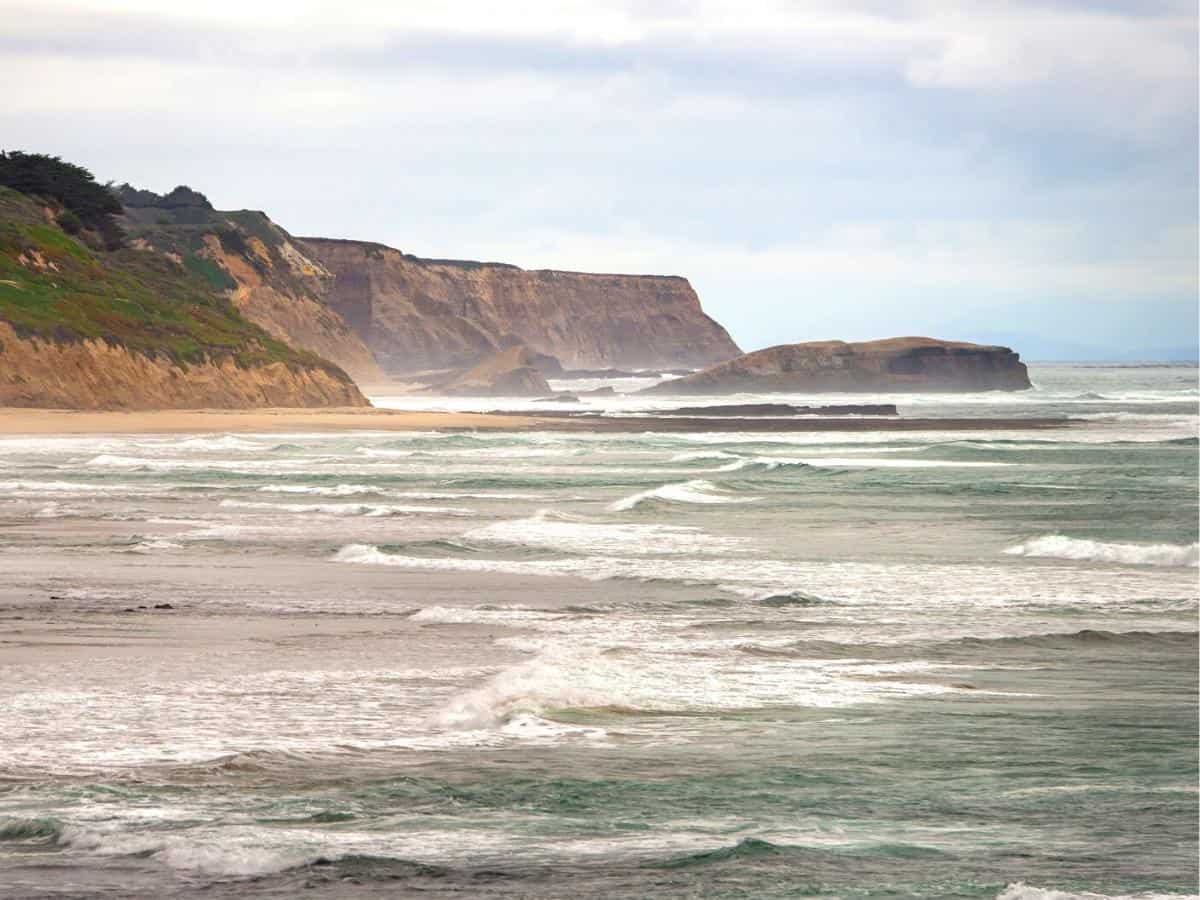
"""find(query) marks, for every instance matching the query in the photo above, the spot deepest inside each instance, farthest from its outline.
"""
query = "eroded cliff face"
(271, 281)
(282, 294)
(94, 374)
(910, 364)
(417, 314)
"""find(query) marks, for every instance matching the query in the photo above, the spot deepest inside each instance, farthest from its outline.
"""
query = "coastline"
(16, 421)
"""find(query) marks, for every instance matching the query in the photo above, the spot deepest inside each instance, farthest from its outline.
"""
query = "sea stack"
(905, 364)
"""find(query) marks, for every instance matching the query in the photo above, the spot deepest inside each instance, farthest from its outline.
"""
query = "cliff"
(271, 281)
(95, 374)
(909, 364)
(124, 328)
(419, 314)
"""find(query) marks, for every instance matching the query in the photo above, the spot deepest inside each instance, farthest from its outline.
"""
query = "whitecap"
(1021, 891)
(696, 491)
(829, 462)
(553, 531)
(346, 509)
(340, 490)
(1056, 546)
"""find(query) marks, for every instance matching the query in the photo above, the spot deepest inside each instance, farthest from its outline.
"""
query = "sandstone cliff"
(420, 314)
(910, 364)
(123, 328)
(268, 277)
(94, 374)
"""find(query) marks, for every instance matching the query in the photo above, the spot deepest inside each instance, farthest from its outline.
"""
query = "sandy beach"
(184, 421)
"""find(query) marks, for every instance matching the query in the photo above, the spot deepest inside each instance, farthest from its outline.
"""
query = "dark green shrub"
(69, 222)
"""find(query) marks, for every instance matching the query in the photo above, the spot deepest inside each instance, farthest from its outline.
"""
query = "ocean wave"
(1087, 637)
(347, 509)
(1021, 891)
(225, 442)
(1056, 546)
(554, 531)
(152, 545)
(30, 830)
(646, 678)
(236, 853)
(351, 490)
(753, 577)
(695, 491)
(67, 487)
(851, 462)
(340, 490)
(702, 455)
(379, 453)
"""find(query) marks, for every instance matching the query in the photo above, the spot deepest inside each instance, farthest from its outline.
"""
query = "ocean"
(540, 664)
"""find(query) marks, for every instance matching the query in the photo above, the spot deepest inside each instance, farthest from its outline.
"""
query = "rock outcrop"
(419, 314)
(271, 281)
(94, 374)
(511, 373)
(87, 327)
(909, 364)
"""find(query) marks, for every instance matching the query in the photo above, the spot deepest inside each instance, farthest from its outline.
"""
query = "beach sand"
(181, 421)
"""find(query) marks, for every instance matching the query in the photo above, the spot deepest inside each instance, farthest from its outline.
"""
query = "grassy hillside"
(56, 286)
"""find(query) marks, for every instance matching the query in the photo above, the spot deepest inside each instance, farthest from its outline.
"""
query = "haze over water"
(867, 664)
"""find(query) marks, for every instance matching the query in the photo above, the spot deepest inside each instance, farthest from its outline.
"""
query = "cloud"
(803, 163)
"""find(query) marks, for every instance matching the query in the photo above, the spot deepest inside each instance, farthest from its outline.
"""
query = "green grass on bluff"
(141, 300)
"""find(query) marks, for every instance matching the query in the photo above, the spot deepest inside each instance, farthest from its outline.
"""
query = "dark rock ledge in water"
(785, 409)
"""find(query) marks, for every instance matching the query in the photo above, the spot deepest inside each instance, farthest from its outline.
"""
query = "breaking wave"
(346, 509)
(1057, 546)
(695, 491)
(1021, 891)
(553, 531)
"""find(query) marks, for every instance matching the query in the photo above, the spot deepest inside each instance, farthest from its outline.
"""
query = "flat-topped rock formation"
(907, 364)
(420, 314)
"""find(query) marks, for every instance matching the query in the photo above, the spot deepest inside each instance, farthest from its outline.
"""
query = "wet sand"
(56, 421)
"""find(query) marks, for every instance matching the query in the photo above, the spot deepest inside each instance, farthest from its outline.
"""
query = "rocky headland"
(418, 314)
(895, 365)
(92, 320)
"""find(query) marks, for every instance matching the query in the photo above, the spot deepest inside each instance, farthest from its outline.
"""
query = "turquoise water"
(729, 665)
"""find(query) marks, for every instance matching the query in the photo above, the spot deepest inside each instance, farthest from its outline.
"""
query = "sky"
(996, 170)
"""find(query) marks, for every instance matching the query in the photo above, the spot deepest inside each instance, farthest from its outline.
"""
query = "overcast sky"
(977, 170)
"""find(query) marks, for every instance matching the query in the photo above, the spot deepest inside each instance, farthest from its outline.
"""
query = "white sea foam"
(340, 490)
(553, 531)
(1056, 546)
(1022, 891)
(648, 678)
(208, 444)
(350, 490)
(384, 453)
(853, 462)
(346, 509)
(698, 455)
(905, 585)
(696, 491)
(154, 544)
(66, 487)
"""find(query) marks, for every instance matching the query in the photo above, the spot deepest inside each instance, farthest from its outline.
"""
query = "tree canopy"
(92, 205)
